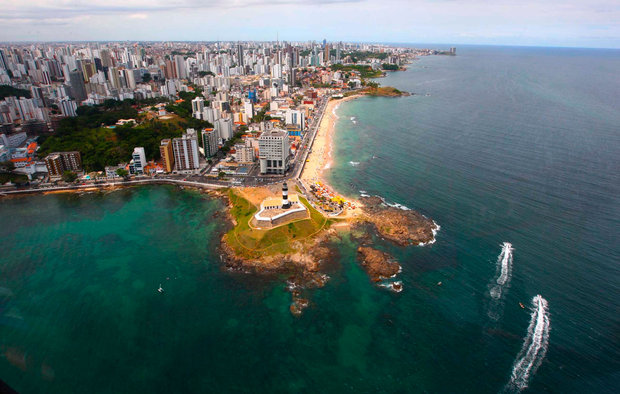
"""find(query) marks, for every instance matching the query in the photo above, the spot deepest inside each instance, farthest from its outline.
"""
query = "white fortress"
(276, 211)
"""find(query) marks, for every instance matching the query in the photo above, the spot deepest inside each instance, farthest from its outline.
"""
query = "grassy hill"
(247, 242)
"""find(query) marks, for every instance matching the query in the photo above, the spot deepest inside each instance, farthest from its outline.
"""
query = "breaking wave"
(504, 271)
(334, 111)
(534, 347)
(435, 230)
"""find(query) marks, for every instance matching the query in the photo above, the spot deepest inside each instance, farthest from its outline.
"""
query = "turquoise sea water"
(514, 145)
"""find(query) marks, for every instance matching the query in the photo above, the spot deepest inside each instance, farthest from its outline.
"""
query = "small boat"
(439, 283)
(161, 290)
(521, 305)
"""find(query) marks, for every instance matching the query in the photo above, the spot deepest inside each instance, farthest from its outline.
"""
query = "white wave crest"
(435, 230)
(334, 111)
(504, 271)
(534, 347)
(396, 286)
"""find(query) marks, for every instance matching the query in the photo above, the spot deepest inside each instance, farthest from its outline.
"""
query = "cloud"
(44, 9)
(138, 16)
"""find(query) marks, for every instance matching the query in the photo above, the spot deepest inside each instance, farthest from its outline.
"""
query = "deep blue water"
(516, 145)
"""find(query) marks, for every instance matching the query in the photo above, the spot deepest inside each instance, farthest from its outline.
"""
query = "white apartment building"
(244, 152)
(274, 150)
(185, 151)
(139, 160)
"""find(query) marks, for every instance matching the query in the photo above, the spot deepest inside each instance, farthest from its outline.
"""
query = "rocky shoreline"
(305, 268)
(403, 227)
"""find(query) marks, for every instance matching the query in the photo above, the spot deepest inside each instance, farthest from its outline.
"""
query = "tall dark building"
(240, 57)
(78, 89)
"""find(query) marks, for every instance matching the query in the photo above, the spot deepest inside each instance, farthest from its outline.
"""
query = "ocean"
(514, 152)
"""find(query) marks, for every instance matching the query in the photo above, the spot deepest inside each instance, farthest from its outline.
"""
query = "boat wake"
(534, 347)
(504, 272)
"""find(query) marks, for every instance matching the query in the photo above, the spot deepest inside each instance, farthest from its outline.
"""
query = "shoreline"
(320, 159)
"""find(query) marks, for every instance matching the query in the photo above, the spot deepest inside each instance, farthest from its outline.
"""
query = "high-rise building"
(244, 152)
(210, 138)
(67, 107)
(295, 117)
(198, 105)
(139, 160)
(274, 152)
(326, 53)
(225, 128)
(59, 162)
(179, 64)
(338, 52)
(240, 58)
(248, 108)
(78, 89)
(165, 150)
(185, 151)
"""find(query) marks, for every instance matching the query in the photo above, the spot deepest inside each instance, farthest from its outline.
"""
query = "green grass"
(251, 243)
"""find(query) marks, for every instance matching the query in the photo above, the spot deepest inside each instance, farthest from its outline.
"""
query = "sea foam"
(504, 271)
(534, 347)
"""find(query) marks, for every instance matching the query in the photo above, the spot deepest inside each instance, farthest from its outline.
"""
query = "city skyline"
(572, 23)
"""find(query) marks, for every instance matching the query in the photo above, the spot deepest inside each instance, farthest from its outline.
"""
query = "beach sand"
(321, 158)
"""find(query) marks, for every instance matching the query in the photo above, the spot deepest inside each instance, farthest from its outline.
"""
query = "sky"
(573, 23)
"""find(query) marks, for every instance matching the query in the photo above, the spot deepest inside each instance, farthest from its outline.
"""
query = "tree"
(221, 174)
(7, 166)
(123, 173)
(146, 77)
(69, 176)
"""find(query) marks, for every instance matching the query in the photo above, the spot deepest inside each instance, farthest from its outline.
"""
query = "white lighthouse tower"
(286, 204)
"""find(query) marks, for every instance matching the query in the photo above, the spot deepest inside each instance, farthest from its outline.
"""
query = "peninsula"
(251, 123)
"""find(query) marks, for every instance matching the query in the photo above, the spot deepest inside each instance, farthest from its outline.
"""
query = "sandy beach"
(321, 157)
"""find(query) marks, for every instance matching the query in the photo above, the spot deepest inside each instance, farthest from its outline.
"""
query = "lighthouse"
(286, 204)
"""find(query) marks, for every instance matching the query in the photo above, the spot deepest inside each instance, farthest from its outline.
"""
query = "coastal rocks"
(379, 265)
(403, 227)
(298, 305)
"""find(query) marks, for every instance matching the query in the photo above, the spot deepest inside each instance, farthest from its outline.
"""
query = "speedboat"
(161, 290)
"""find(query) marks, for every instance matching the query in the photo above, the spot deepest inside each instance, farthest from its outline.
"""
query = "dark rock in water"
(298, 306)
(378, 264)
(403, 227)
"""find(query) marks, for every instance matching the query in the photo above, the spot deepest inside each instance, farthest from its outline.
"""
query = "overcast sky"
(582, 23)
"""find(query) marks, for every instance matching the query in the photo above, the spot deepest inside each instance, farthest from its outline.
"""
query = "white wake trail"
(534, 347)
(504, 268)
